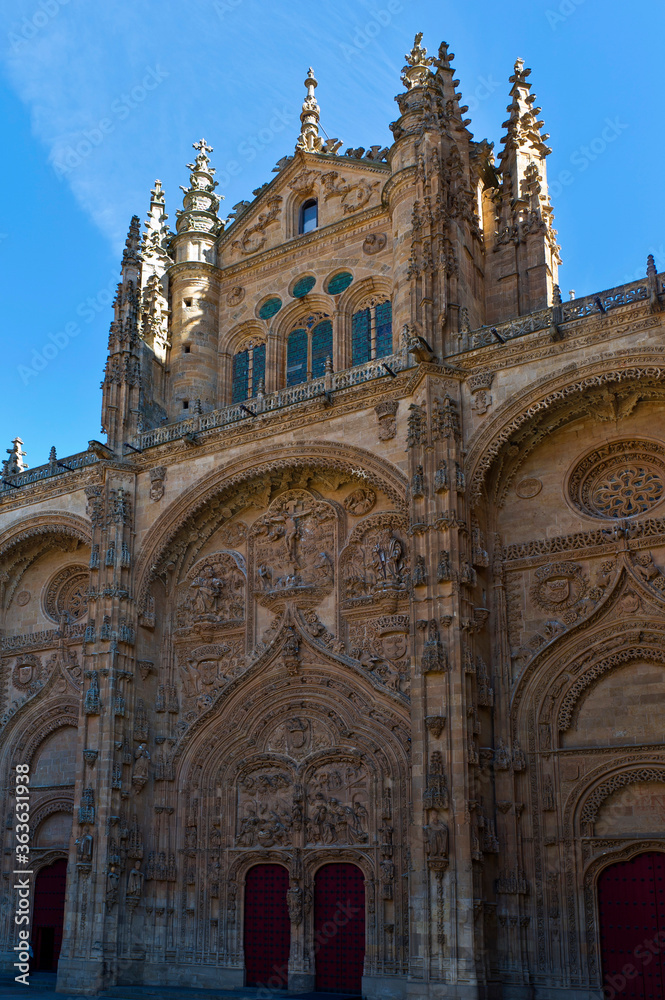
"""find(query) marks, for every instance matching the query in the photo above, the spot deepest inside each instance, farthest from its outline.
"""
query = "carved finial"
(15, 464)
(416, 71)
(156, 235)
(52, 457)
(309, 139)
(200, 203)
(651, 265)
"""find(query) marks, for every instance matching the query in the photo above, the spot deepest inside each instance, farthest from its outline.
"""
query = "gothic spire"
(200, 203)
(309, 139)
(130, 255)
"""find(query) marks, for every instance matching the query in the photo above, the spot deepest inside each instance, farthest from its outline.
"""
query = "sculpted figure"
(436, 838)
(135, 881)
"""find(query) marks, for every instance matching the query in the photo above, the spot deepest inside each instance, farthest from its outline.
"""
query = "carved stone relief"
(293, 550)
(375, 562)
(215, 590)
(619, 480)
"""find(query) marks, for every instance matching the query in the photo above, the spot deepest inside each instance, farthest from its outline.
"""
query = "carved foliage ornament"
(619, 480)
(67, 594)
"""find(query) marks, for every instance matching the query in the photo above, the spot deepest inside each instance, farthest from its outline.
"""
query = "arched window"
(249, 368)
(371, 332)
(307, 349)
(309, 216)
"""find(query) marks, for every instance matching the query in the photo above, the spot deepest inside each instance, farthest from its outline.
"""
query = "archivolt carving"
(594, 801)
(569, 703)
(187, 524)
(63, 803)
(59, 714)
(66, 593)
(549, 397)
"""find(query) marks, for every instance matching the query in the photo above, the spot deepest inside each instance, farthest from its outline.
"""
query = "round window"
(303, 286)
(339, 282)
(270, 308)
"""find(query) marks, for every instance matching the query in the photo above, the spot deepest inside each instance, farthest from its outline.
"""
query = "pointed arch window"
(307, 348)
(249, 369)
(371, 332)
(309, 216)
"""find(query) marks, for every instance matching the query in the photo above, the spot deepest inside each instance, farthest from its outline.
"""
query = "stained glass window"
(339, 282)
(322, 346)
(296, 357)
(258, 367)
(384, 329)
(240, 384)
(360, 337)
(309, 216)
(270, 308)
(303, 286)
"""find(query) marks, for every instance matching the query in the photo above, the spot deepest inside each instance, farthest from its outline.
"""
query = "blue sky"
(98, 100)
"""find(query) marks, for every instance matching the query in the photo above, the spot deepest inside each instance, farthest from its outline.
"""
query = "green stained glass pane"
(360, 337)
(303, 286)
(258, 367)
(339, 282)
(384, 329)
(322, 345)
(296, 357)
(240, 381)
(270, 308)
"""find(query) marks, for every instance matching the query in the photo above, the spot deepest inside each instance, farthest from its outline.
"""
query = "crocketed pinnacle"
(130, 254)
(309, 139)
(523, 127)
(200, 203)
(417, 72)
(156, 235)
(14, 464)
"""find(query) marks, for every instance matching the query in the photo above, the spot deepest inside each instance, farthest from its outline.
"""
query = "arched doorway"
(631, 905)
(48, 915)
(267, 937)
(339, 928)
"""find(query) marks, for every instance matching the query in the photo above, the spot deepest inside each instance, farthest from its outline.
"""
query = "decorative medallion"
(66, 594)
(235, 296)
(528, 488)
(619, 480)
(375, 243)
(23, 598)
(558, 586)
(360, 501)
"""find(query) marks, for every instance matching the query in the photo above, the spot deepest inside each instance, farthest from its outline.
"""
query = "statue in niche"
(84, 847)
(293, 546)
(135, 882)
(436, 839)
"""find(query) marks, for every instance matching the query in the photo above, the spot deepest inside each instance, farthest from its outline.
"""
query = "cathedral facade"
(339, 664)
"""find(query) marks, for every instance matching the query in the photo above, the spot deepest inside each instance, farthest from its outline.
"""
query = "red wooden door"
(339, 928)
(631, 903)
(267, 927)
(48, 915)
